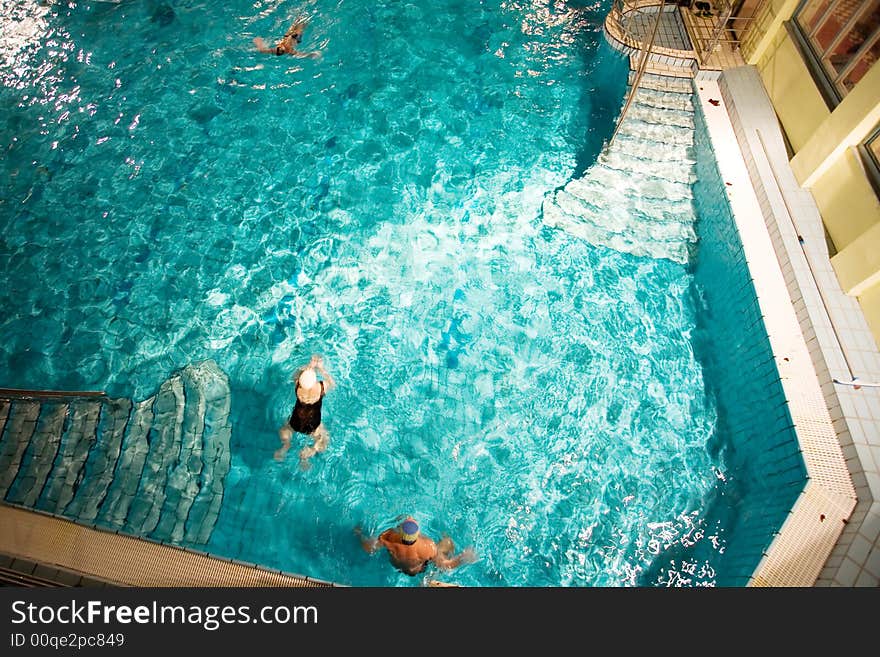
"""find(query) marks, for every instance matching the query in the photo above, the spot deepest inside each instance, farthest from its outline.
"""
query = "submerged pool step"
(164, 445)
(614, 186)
(39, 456)
(646, 163)
(664, 99)
(640, 222)
(637, 197)
(622, 230)
(79, 436)
(101, 464)
(664, 83)
(681, 152)
(660, 116)
(659, 135)
(122, 490)
(21, 423)
(216, 457)
(155, 468)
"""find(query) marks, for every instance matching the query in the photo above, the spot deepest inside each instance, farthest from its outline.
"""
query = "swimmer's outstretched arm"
(446, 562)
(368, 543)
(318, 363)
(296, 25)
(262, 46)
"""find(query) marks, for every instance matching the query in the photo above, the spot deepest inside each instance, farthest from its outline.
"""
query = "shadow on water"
(603, 90)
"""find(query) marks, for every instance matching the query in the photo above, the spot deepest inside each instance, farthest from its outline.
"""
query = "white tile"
(846, 404)
(872, 565)
(873, 479)
(847, 573)
(873, 404)
(861, 406)
(867, 579)
(859, 549)
(865, 458)
(866, 431)
(870, 527)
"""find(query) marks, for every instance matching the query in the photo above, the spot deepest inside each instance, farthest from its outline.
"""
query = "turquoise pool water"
(174, 196)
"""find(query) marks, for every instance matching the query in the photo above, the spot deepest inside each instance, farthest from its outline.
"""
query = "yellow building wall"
(825, 161)
(851, 123)
(847, 203)
(798, 103)
(870, 303)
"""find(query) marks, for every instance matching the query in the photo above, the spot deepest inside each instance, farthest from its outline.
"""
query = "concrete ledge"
(817, 520)
(841, 345)
(125, 560)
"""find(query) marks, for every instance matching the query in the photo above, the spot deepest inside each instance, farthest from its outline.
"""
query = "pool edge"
(791, 303)
(117, 559)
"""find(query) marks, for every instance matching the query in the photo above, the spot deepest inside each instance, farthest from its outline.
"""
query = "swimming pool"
(176, 196)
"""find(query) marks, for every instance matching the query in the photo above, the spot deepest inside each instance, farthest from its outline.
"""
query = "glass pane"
(874, 147)
(811, 13)
(864, 64)
(865, 26)
(833, 24)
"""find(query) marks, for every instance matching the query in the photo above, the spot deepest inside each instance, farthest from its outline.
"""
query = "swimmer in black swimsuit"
(287, 45)
(306, 415)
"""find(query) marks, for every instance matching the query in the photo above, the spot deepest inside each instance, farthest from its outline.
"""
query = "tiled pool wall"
(831, 323)
(765, 471)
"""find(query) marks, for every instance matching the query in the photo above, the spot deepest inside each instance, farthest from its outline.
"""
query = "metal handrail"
(15, 393)
(640, 71)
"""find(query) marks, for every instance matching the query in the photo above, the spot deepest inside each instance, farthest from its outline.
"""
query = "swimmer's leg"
(322, 438)
(285, 433)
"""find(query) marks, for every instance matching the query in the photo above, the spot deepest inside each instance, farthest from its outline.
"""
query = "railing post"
(643, 63)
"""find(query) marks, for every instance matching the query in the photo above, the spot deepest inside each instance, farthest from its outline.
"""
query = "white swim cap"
(308, 379)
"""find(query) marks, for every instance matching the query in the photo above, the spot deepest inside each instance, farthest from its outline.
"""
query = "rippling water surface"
(172, 195)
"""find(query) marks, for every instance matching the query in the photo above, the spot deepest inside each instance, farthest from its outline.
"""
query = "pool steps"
(637, 197)
(153, 468)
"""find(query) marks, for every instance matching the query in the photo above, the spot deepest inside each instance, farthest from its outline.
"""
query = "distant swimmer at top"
(291, 39)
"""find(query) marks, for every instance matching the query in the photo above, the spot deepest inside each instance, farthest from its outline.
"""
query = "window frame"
(824, 74)
(870, 160)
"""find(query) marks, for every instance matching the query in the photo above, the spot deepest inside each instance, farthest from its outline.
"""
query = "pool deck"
(68, 554)
(812, 529)
(839, 342)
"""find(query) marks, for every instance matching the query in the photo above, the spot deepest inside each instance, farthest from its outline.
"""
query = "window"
(870, 152)
(844, 38)
(873, 146)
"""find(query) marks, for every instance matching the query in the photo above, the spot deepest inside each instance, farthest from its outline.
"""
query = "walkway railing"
(643, 61)
(721, 23)
(712, 25)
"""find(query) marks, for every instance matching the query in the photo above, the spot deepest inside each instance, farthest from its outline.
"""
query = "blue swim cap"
(409, 531)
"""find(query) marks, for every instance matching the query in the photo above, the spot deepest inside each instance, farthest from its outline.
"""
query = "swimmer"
(288, 43)
(410, 551)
